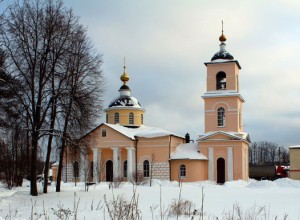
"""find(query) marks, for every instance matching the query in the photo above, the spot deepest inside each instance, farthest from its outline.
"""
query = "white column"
(100, 168)
(230, 163)
(211, 164)
(134, 161)
(115, 162)
(95, 165)
(83, 165)
(129, 163)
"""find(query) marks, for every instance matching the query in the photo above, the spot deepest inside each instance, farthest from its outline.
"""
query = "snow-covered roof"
(188, 151)
(294, 147)
(142, 131)
(235, 135)
(222, 93)
(224, 61)
(125, 102)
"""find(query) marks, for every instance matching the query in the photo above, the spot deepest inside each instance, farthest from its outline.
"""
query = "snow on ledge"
(142, 131)
(295, 147)
(187, 151)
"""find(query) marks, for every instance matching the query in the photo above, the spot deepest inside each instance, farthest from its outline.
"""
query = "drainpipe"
(170, 139)
(136, 153)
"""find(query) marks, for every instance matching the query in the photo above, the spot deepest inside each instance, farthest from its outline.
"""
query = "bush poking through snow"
(253, 213)
(120, 209)
(182, 207)
(61, 212)
(117, 182)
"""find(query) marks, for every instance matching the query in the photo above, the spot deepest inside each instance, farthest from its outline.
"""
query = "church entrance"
(221, 171)
(109, 171)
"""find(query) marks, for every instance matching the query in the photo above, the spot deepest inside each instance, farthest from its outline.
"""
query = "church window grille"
(103, 133)
(182, 170)
(221, 117)
(131, 118)
(146, 166)
(116, 118)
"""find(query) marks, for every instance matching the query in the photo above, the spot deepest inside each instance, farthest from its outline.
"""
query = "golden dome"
(222, 38)
(124, 77)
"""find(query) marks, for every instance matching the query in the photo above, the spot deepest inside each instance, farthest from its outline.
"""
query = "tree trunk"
(49, 148)
(33, 186)
(62, 150)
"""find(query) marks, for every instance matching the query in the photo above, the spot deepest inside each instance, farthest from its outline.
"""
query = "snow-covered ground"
(279, 198)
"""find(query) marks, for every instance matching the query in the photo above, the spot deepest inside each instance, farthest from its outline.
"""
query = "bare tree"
(81, 101)
(152, 162)
(267, 153)
(39, 38)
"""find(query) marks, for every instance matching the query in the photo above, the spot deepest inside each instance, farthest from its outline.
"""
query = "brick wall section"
(161, 170)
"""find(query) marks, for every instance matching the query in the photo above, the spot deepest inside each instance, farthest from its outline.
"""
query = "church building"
(125, 149)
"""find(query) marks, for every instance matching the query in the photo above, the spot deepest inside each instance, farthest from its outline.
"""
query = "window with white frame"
(116, 118)
(221, 117)
(131, 118)
(182, 170)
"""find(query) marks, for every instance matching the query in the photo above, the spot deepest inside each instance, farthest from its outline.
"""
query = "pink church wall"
(196, 170)
(232, 106)
(231, 70)
(240, 157)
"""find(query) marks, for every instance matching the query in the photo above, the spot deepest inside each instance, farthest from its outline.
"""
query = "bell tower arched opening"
(221, 80)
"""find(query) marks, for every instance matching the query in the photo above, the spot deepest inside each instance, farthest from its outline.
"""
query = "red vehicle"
(282, 171)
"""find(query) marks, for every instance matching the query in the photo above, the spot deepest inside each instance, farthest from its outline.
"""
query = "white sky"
(167, 42)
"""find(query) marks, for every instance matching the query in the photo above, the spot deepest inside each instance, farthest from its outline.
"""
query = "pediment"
(220, 135)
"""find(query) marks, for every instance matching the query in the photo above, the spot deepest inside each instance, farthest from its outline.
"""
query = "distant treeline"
(267, 153)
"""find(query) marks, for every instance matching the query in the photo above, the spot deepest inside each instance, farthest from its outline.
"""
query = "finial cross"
(222, 26)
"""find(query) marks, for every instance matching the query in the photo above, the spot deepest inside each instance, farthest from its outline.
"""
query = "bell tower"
(222, 100)
(224, 143)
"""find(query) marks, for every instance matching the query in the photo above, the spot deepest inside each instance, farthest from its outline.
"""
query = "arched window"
(76, 169)
(221, 80)
(182, 170)
(131, 118)
(92, 169)
(103, 133)
(116, 118)
(142, 119)
(106, 118)
(125, 168)
(146, 167)
(221, 117)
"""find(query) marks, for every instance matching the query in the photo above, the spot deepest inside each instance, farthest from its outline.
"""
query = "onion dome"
(125, 99)
(124, 78)
(222, 54)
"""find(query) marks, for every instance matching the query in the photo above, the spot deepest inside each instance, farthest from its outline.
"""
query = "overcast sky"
(167, 42)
